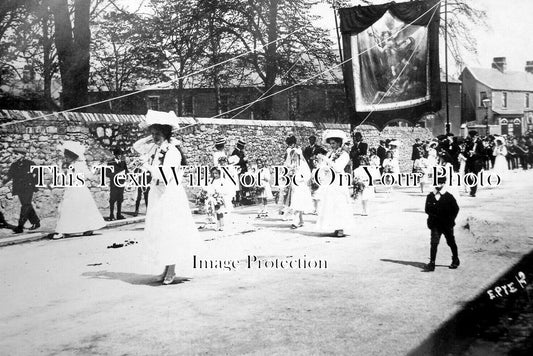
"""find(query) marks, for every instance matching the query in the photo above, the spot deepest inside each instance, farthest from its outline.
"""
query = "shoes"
(18, 230)
(58, 236)
(338, 233)
(168, 280)
(430, 267)
(473, 195)
(135, 213)
(293, 226)
(111, 218)
(120, 217)
(455, 263)
(35, 226)
(88, 233)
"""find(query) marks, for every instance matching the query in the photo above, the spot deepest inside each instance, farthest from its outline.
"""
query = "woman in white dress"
(500, 152)
(334, 209)
(300, 199)
(78, 212)
(170, 232)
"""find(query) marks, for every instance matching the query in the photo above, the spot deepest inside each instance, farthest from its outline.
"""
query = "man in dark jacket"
(359, 149)
(442, 209)
(116, 193)
(474, 157)
(24, 182)
(4, 224)
(243, 165)
(382, 154)
(311, 151)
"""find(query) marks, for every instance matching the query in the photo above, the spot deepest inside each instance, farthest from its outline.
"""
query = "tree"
(119, 57)
(72, 42)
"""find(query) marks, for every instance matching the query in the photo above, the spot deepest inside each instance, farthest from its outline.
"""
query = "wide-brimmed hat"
(500, 139)
(395, 143)
(220, 141)
(334, 133)
(241, 143)
(433, 144)
(73, 147)
(160, 118)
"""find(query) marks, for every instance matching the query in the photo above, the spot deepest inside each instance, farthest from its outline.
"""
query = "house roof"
(508, 80)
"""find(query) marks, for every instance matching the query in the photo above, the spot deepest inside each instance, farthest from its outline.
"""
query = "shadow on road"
(132, 278)
(409, 263)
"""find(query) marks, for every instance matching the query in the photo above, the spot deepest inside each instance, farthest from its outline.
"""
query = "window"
(527, 100)
(482, 96)
(504, 100)
(152, 102)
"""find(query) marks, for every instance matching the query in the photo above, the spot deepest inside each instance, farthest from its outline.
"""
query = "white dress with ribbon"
(171, 236)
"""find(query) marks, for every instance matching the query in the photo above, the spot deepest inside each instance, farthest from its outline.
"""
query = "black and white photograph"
(268, 177)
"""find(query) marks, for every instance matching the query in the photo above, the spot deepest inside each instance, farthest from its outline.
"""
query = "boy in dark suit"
(442, 209)
(116, 194)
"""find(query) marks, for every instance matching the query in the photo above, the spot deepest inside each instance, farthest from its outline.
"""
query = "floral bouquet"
(358, 187)
(387, 168)
(200, 198)
(223, 161)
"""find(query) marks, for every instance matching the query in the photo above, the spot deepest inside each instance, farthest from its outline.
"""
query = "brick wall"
(100, 133)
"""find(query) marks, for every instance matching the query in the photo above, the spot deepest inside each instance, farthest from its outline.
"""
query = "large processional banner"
(394, 69)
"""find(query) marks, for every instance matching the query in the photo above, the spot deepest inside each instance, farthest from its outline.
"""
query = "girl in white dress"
(78, 212)
(361, 176)
(334, 209)
(300, 191)
(421, 166)
(216, 201)
(500, 152)
(170, 232)
(264, 185)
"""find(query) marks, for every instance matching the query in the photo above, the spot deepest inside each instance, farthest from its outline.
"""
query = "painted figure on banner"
(392, 64)
(78, 213)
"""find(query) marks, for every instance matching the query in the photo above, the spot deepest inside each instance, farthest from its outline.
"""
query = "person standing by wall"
(116, 193)
(24, 185)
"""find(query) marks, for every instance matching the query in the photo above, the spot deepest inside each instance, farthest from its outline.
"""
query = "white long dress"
(334, 209)
(78, 212)
(171, 236)
(361, 174)
(500, 163)
(301, 199)
(266, 192)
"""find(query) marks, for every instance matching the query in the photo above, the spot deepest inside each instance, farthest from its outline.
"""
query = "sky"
(509, 32)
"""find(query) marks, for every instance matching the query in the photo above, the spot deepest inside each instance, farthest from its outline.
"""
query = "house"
(498, 99)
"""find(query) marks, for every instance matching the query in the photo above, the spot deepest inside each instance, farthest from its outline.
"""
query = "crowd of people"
(347, 162)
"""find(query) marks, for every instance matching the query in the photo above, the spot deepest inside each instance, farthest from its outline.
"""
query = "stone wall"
(100, 133)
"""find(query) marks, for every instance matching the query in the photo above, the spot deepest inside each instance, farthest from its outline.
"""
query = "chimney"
(499, 63)
(529, 67)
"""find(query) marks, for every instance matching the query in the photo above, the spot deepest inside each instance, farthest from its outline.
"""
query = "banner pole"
(446, 64)
(338, 35)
